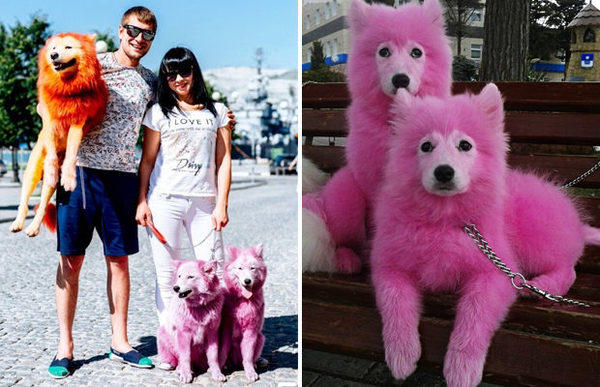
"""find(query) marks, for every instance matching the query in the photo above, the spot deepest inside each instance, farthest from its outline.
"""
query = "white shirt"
(186, 162)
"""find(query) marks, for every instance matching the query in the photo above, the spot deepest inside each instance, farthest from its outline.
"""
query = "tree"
(317, 56)
(463, 69)
(505, 40)
(548, 28)
(18, 76)
(107, 37)
(318, 71)
(458, 16)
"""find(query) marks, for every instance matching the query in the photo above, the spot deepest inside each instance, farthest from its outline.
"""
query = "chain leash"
(485, 248)
(583, 176)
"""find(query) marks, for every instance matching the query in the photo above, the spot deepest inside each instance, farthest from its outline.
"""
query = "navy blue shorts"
(107, 202)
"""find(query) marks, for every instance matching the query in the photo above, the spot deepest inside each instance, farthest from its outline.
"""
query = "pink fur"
(243, 314)
(419, 243)
(189, 335)
(346, 199)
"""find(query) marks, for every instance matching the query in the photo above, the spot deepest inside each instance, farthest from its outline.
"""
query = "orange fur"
(72, 99)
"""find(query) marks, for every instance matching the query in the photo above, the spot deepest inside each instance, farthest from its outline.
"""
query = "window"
(327, 10)
(327, 48)
(476, 16)
(334, 49)
(475, 51)
(589, 36)
(307, 22)
(309, 52)
(317, 17)
(334, 8)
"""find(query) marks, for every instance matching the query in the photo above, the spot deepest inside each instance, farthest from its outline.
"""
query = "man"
(105, 198)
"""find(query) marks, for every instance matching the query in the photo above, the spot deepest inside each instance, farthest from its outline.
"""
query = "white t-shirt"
(186, 162)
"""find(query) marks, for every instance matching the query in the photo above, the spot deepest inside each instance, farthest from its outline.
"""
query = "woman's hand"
(219, 218)
(143, 215)
(232, 120)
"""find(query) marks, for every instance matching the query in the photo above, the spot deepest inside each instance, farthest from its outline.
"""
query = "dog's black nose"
(247, 281)
(176, 288)
(400, 81)
(444, 173)
(54, 55)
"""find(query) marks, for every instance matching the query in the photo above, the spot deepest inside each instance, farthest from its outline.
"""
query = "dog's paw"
(401, 357)
(462, 369)
(251, 375)
(217, 375)
(16, 226)
(185, 376)
(68, 181)
(33, 229)
(51, 175)
(347, 261)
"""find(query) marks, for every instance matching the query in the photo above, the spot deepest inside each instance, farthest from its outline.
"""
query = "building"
(325, 20)
(585, 45)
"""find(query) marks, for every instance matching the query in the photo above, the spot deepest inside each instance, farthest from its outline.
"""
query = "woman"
(185, 171)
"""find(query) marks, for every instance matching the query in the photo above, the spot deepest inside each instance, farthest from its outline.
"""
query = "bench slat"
(528, 96)
(511, 354)
(529, 127)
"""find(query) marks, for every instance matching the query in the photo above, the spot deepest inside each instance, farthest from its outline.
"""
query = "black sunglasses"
(134, 31)
(172, 75)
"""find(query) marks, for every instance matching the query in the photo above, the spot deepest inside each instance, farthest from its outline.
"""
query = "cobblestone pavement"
(261, 210)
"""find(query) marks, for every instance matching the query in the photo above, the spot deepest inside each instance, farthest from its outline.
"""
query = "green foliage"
(323, 74)
(107, 37)
(463, 69)
(318, 71)
(18, 76)
(548, 22)
(317, 57)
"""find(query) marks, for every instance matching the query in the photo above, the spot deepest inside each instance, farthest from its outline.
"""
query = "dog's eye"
(416, 53)
(68, 47)
(190, 276)
(239, 268)
(426, 147)
(465, 146)
(385, 52)
(252, 268)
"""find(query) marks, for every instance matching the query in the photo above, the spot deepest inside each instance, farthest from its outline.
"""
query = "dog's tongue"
(246, 293)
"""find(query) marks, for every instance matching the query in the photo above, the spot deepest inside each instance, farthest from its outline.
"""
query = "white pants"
(171, 214)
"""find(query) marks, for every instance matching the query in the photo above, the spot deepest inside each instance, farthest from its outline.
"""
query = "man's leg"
(66, 289)
(117, 287)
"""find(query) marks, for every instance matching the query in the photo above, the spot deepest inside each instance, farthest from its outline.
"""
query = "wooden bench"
(552, 127)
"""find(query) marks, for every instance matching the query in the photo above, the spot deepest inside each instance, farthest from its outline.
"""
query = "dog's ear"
(231, 252)
(358, 15)
(435, 12)
(258, 250)
(175, 263)
(209, 267)
(92, 38)
(490, 102)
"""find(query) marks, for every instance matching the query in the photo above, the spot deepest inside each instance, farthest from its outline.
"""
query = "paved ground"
(261, 210)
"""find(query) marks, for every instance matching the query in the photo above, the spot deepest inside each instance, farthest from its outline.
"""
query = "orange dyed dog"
(72, 99)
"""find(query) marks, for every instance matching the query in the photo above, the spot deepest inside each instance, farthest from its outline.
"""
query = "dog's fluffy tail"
(591, 235)
(312, 177)
(49, 217)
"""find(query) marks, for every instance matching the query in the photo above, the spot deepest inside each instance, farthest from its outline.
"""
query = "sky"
(221, 33)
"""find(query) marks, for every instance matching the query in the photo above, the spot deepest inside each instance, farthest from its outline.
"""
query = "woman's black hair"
(176, 59)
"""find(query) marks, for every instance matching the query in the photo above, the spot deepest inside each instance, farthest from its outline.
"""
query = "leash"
(485, 248)
(161, 238)
(582, 176)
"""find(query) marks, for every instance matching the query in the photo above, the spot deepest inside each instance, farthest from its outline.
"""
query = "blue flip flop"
(60, 368)
(133, 358)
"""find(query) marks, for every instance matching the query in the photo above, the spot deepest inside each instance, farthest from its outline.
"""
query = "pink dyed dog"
(189, 335)
(243, 314)
(447, 168)
(391, 49)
